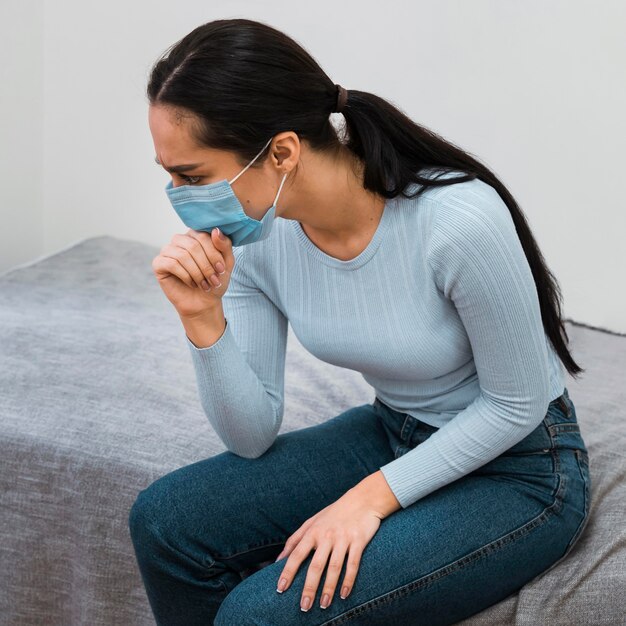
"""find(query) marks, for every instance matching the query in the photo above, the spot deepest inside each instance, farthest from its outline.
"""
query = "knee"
(235, 609)
(143, 517)
(255, 602)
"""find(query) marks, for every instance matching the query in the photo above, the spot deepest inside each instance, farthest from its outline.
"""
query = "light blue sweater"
(439, 313)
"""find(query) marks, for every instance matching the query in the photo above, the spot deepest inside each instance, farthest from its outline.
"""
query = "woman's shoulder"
(465, 187)
(462, 202)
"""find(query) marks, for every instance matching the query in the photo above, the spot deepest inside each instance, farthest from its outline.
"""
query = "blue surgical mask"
(203, 207)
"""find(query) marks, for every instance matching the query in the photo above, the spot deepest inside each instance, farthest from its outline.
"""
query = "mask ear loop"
(251, 162)
(281, 186)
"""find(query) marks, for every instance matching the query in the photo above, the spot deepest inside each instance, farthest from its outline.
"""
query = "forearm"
(375, 490)
(236, 402)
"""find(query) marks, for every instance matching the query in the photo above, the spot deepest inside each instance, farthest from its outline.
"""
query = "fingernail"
(220, 235)
(219, 266)
(324, 602)
(305, 604)
(205, 285)
(281, 585)
(344, 593)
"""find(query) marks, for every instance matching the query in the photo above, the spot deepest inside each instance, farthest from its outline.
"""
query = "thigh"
(230, 513)
(459, 550)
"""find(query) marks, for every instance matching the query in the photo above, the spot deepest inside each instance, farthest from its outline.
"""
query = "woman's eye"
(190, 180)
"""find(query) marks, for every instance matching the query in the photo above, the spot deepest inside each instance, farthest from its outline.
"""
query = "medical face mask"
(203, 207)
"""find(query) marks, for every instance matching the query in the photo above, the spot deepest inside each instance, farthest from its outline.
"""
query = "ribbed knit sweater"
(439, 313)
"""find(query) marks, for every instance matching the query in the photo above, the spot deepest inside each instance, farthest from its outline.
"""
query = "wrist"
(376, 493)
(206, 328)
(204, 315)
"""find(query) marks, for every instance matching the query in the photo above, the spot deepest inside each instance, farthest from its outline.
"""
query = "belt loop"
(566, 408)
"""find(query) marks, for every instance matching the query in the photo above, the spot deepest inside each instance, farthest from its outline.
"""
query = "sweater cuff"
(221, 345)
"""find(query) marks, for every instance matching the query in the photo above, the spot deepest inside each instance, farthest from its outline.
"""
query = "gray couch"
(98, 399)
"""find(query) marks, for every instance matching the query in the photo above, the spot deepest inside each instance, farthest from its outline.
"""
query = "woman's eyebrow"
(178, 168)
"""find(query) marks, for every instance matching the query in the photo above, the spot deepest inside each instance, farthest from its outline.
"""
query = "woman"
(399, 256)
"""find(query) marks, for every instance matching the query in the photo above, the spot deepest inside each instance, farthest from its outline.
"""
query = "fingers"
(225, 246)
(314, 575)
(332, 575)
(352, 567)
(199, 259)
(217, 246)
(195, 263)
(300, 552)
(293, 540)
(163, 266)
(316, 569)
(211, 263)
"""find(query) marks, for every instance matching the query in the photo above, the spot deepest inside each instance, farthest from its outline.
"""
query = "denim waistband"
(558, 429)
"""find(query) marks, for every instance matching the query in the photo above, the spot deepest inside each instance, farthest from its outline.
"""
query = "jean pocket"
(582, 462)
(420, 433)
(400, 450)
(412, 434)
(561, 409)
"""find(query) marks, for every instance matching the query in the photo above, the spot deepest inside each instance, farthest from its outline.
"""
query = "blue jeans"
(206, 535)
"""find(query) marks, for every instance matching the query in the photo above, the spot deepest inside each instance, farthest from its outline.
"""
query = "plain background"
(533, 89)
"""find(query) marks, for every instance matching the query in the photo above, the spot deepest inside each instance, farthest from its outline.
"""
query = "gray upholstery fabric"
(98, 399)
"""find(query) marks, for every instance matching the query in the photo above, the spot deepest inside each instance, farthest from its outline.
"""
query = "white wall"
(534, 89)
(21, 131)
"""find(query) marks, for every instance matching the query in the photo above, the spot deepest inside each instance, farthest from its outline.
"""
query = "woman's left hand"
(346, 525)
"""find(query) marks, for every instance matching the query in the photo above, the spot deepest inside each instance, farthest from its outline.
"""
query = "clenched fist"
(189, 264)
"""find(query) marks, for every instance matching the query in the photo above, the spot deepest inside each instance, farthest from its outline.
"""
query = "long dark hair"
(241, 82)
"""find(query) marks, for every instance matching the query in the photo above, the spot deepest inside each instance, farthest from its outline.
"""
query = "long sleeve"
(241, 377)
(478, 263)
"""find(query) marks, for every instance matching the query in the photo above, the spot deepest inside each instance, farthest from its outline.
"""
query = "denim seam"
(586, 507)
(155, 529)
(548, 432)
(583, 524)
(564, 428)
(262, 545)
(463, 561)
(542, 451)
(556, 459)
(404, 425)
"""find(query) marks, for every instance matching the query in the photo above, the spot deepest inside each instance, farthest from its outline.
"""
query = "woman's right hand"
(187, 261)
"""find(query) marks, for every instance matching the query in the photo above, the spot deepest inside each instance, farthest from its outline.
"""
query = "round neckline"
(366, 254)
